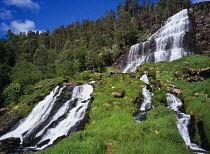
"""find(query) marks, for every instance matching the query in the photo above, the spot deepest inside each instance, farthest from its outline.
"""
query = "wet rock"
(141, 116)
(7, 121)
(43, 143)
(9, 144)
(72, 84)
(203, 137)
(121, 61)
(58, 139)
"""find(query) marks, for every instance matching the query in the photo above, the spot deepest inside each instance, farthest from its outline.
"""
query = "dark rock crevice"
(200, 15)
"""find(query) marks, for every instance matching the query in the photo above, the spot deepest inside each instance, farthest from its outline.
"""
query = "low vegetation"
(116, 99)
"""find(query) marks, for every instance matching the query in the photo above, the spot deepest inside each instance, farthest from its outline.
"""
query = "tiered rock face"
(196, 40)
(201, 15)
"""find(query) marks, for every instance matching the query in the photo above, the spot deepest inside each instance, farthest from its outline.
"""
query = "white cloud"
(4, 27)
(197, 1)
(18, 26)
(5, 14)
(23, 4)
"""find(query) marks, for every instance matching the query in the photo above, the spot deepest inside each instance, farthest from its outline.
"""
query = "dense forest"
(87, 45)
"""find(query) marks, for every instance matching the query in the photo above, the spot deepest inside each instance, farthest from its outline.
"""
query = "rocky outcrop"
(200, 13)
(151, 22)
(194, 75)
(121, 61)
(7, 121)
(8, 144)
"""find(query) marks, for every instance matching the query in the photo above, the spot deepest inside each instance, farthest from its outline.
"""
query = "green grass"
(195, 95)
(116, 98)
(112, 128)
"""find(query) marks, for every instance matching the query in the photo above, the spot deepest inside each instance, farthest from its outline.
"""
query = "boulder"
(176, 91)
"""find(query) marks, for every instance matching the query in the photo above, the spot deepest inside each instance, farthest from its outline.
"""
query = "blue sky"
(40, 15)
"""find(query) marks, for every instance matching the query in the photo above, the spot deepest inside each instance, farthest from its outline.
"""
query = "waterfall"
(45, 124)
(165, 45)
(147, 102)
(183, 121)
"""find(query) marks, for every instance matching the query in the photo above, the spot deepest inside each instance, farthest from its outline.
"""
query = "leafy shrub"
(12, 93)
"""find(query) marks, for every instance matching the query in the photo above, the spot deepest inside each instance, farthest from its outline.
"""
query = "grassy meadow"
(116, 98)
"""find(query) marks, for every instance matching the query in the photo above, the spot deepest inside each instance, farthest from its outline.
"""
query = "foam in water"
(82, 95)
(145, 78)
(175, 103)
(62, 123)
(147, 103)
(165, 45)
(38, 114)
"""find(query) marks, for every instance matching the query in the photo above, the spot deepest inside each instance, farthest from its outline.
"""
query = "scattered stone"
(93, 109)
(117, 103)
(39, 87)
(197, 94)
(173, 89)
(176, 91)
(195, 79)
(108, 105)
(118, 94)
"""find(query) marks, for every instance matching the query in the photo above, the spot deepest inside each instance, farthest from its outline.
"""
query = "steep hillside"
(112, 128)
(110, 124)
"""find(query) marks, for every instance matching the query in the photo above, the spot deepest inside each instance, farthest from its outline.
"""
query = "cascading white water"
(183, 121)
(145, 78)
(82, 95)
(165, 45)
(147, 102)
(39, 113)
(44, 126)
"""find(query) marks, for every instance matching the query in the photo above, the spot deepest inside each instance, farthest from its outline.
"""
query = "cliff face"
(201, 15)
(197, 40)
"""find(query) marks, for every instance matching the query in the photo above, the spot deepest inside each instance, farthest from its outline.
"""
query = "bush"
(12, 93)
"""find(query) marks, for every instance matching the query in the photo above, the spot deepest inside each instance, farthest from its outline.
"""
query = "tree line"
(87, 45)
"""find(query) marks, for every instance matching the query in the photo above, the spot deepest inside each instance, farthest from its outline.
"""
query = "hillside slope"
(112, 128)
